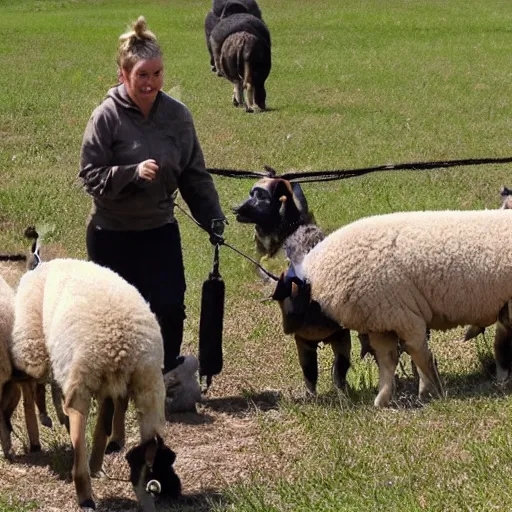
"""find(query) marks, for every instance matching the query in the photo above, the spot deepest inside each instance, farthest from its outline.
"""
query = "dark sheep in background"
(241, 50)
(223, 9)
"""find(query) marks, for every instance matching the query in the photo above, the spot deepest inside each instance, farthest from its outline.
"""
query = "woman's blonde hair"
(139, 43)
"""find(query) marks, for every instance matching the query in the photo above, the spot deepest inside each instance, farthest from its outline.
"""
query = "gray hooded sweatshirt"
(117, 138)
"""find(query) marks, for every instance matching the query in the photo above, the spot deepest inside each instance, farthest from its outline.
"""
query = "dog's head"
(506, 197)
(273, 205)
(151, 471)
(234, 7)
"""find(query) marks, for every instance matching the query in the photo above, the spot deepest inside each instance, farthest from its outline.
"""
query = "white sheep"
(93, 333)
(10, 392)
(393, 276)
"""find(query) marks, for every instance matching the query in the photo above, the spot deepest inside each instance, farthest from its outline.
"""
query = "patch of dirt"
(216, 447)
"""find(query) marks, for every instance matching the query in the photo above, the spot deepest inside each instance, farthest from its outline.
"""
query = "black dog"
(279, 211)
(223, 9)
(241, 50)
(151, 471)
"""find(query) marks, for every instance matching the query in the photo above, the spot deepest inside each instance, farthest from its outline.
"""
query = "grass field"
(353, 84)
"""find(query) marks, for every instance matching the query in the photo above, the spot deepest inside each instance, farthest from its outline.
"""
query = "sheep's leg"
(81, 476)
(341, 344)
(40, 397)
(11, 397)
(5, 436)
(57, 403)
(250, 97)
(385, 348)
(238, 94)
(503, 346)
(102, 430)
(430, 384)
(29, 406)
(308, 362)
(216, 51)
(117, 438)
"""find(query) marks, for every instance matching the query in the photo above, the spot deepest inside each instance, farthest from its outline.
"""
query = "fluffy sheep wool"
(70, 308)
(404, 272)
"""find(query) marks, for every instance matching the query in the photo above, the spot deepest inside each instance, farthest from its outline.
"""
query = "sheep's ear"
(295, 290)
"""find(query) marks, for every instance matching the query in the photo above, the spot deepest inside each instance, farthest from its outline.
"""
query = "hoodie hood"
(120, 96)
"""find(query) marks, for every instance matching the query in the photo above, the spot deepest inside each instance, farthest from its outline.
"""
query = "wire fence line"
(341, 174)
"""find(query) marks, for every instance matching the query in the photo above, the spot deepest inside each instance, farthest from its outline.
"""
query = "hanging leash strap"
(263, 269)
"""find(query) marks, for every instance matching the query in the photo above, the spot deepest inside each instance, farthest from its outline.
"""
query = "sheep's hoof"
(34, 448)
(502, 376)
(88, 505)
(310, 389)
(235, 102)
(113, 447)
(249, 110)
(45, 420)
(213, 68)
(382, 401)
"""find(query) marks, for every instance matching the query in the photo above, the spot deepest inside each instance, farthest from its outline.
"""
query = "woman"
(139, 148)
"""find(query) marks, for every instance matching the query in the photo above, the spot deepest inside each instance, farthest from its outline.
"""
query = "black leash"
(216, 257)
(13, 257)
(340, 174)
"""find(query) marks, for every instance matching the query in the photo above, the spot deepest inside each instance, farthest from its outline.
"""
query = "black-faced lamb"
(223, 9)
(86, 328)
(279, 211)
(241, 49)
(393, 276)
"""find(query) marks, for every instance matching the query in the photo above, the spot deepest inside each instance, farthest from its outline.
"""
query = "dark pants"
(152, 261)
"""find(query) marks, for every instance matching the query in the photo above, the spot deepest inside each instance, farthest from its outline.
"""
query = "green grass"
(353, 84)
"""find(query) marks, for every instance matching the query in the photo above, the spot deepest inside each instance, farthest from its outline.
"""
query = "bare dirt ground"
(217, 446)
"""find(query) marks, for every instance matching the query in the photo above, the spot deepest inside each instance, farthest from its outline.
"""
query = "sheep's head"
(152, 472)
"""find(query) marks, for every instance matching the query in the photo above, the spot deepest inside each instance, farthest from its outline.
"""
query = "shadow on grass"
(197, 502)
(263, 401)
(59, 459)
(480, 383)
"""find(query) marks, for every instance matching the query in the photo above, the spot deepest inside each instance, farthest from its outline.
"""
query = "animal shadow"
(58, 458)
(204, 501)
(264, 401)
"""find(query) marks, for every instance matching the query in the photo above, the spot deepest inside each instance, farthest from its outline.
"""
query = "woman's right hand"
(147, 170)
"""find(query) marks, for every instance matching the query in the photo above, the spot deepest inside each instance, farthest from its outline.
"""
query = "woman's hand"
(147, 170)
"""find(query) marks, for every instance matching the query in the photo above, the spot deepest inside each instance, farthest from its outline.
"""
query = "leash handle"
(216, 261)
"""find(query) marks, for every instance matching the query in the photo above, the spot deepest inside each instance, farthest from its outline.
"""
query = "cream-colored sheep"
(93, 333)
(10, 392)
(393, 276)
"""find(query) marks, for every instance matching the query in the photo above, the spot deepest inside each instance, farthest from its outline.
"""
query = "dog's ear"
(505, 192)
(270, 171)
(290, 194)
(299, 198)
